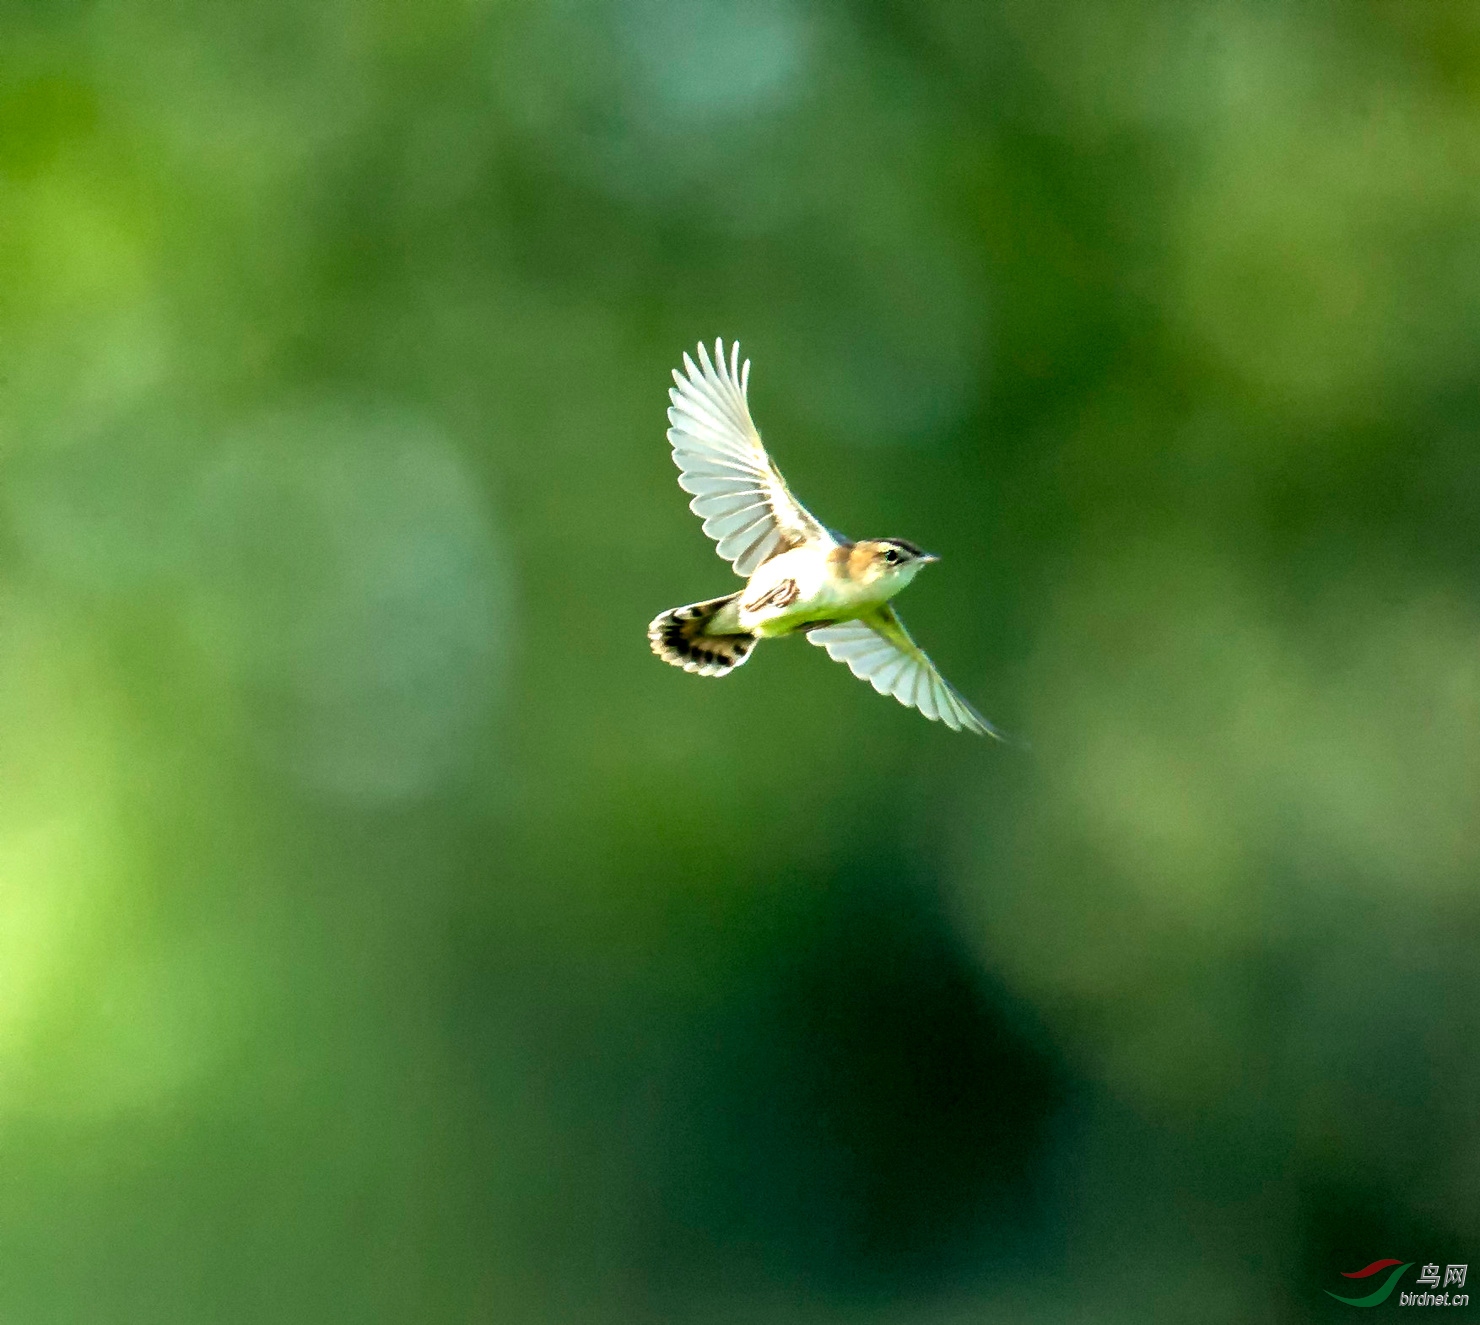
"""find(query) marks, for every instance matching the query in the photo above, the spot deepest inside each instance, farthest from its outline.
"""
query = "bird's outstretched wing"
(747, 508)
(878, 649)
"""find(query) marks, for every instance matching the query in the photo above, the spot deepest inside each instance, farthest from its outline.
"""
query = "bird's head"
(892, 561)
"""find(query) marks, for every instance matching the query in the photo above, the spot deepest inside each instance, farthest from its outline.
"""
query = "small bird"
(801, 577)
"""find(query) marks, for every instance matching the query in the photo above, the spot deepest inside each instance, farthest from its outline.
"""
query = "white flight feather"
(895, 665)
(744, 502)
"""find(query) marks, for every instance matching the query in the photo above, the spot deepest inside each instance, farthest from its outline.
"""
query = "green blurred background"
(386, 936)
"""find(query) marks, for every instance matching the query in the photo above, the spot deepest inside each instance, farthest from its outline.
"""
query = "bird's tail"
(679, 637)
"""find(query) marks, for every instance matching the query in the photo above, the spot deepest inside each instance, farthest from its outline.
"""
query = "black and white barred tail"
(678, 637)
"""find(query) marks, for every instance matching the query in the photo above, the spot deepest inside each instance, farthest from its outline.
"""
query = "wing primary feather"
(943, 705)
(699, 447)
(697, 397)
(721, 526)
(705, 427)
(885, 677)
(719, 455)
(739, 538)
(903, 688)
(701, 401)
(757, 552)
(925, 695)
(713, 471)
(702, 485)
(700, 440)
(720, 503)
(879, 649)
(699, 389)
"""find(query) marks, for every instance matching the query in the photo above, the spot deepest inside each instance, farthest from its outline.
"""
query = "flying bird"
(801, 577)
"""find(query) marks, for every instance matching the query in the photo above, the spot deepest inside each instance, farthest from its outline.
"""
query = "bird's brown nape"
(851, 560)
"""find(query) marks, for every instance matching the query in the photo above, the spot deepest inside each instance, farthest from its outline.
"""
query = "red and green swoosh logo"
(1366, 1272)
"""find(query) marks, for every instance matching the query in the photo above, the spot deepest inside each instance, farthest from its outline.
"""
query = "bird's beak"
(928, 556)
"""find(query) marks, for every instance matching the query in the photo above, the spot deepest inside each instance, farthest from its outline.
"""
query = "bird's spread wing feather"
(878, 649)
(747, 508)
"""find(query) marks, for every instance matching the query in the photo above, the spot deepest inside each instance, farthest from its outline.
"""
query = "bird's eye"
(891, 556)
